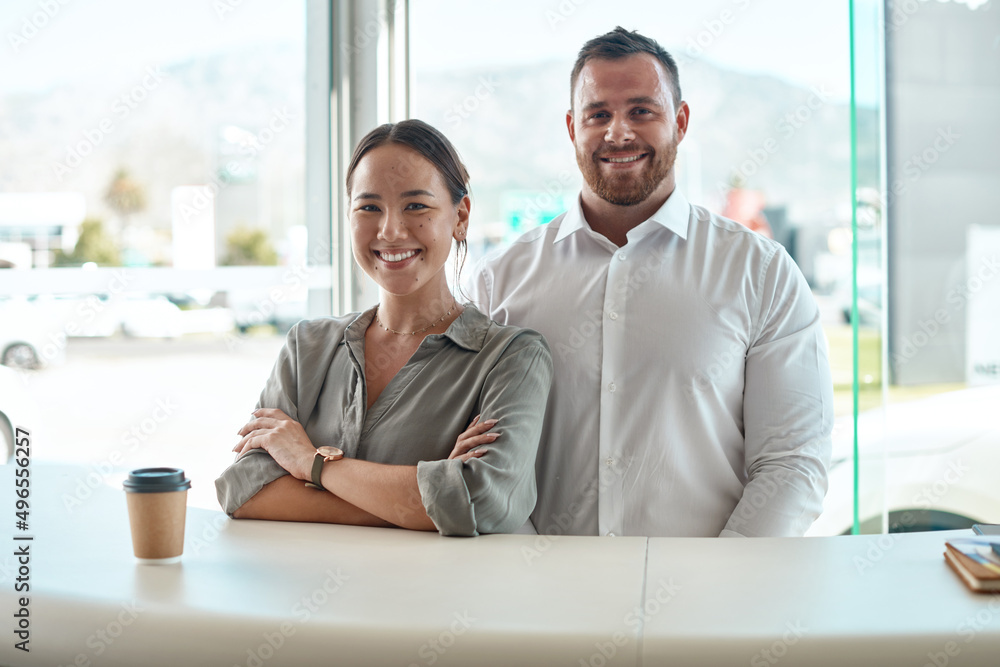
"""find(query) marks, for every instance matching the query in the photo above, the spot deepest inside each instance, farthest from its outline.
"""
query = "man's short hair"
(621, 43)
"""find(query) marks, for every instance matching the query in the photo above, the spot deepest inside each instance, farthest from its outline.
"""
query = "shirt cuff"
(245, 477)
(446, 497)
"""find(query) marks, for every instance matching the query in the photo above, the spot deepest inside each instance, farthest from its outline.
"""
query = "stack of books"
(976, 560)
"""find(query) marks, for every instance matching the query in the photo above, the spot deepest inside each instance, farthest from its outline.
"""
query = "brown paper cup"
(157, 506)
(157, 521)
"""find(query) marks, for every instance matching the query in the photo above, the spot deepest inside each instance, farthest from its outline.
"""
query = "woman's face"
(402, 219)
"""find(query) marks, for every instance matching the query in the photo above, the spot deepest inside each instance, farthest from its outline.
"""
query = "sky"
(84, 38)
(803, 42)
(89, 38)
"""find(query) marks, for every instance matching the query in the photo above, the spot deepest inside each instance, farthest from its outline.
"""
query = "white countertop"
(863, 600)
(344, 595)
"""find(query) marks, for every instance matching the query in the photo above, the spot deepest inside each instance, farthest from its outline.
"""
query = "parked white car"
(155, 316)
(33, 330)
(933, 463)
(149, 317)
(26, 341)
(81, 315)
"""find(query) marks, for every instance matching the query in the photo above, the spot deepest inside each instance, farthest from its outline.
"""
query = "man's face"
(625, 128)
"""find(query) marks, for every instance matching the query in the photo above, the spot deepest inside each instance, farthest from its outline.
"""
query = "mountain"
(166, 125)
(792, 143)
(180, 123)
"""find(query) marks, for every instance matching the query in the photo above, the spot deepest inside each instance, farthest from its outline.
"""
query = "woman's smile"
(396, 259)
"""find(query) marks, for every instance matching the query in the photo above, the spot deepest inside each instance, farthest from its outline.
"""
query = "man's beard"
(627, 189)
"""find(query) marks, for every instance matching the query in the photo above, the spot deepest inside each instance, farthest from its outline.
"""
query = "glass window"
(154, 243)
(942, 98)
(152, 222)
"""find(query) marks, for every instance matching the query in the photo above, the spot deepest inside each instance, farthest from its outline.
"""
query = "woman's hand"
(474, 436)
(280, 436)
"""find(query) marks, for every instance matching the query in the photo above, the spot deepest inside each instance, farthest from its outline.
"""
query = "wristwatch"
(323, 454)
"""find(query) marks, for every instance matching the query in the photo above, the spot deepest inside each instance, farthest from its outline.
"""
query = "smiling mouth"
(392, 257)
(624, 160)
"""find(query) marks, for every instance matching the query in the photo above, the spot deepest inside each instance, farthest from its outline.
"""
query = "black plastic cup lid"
(157, 480)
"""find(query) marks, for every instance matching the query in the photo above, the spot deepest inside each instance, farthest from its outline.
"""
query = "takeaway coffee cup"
(157, 504)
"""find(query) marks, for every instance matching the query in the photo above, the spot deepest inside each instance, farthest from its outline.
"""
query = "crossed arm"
(289, 499)
(359, 492)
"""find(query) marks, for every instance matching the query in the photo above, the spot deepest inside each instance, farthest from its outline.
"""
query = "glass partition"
(869, 384)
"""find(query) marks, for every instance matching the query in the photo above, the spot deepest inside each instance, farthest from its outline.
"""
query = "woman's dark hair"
(621, 43)
(435, 148)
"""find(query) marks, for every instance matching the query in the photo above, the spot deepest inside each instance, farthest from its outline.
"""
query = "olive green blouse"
(475, 367)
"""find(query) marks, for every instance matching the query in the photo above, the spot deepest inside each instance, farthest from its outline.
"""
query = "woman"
(371, 409)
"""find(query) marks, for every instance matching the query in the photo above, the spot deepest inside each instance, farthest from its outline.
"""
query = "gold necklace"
(414, 333)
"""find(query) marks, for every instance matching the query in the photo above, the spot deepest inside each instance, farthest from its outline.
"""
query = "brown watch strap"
(317, 471)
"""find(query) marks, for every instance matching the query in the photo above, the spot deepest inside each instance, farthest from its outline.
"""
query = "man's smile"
(622, 159)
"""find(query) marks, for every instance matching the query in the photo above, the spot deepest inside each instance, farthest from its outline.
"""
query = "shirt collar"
(468, 330)
(572, 222)
(673, 215)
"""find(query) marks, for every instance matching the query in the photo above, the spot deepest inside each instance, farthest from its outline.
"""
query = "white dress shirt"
(692, 392)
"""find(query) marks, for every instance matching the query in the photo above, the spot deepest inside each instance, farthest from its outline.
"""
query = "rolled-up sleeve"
(245, 477)
(249, 473)
(495, 493)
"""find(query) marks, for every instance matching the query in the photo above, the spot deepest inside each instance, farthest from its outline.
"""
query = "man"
(692, 394)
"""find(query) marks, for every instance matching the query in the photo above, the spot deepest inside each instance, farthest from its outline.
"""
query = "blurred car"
(932, 463)
(217, 321)
(25, 341)
(34, 330)
(15, 410)
(281, 307)
(81, 315)
(156, 316)
(145, 316)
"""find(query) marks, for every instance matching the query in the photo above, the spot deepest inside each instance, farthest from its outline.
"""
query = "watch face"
(330, 453)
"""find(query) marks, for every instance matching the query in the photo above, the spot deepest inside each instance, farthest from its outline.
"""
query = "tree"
(93, 245)
(125, 195)
(249, 247)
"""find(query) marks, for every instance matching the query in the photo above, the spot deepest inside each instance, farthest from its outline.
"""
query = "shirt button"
(611, 534)
(612, 388)
(609, 461)
(621, 257)
(613, 315)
